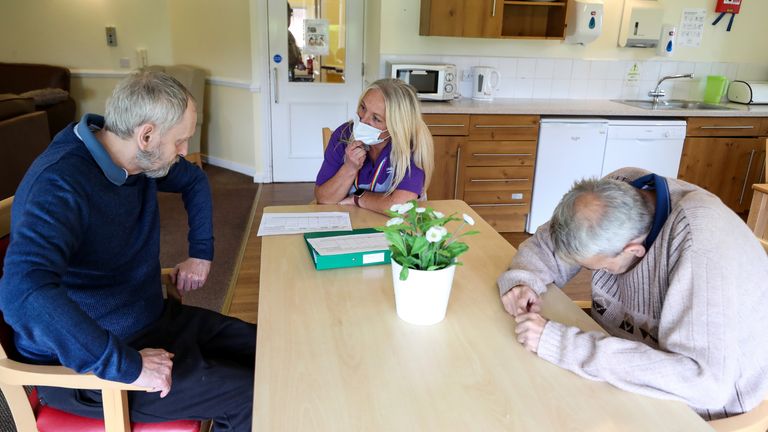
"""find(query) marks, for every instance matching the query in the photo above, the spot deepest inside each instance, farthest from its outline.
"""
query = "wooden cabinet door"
(443, 185)
(464, 18)
(726, 167)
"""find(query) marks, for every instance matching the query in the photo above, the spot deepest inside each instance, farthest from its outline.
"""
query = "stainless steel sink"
(672, 105)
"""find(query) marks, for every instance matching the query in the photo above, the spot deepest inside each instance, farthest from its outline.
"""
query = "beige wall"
(71, 33)
(213, 35)
(747, 42)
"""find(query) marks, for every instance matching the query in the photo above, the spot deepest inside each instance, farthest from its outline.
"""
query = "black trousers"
(214, 357)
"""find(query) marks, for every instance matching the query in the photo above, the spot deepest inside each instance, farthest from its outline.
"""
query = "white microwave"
(431, 81)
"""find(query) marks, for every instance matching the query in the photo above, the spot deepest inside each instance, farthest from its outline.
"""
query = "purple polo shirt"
(334, 159)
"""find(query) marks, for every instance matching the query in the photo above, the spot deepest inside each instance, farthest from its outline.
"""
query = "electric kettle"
(485, 82)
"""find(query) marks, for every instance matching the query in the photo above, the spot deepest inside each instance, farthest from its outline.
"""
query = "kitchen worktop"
(577, 107)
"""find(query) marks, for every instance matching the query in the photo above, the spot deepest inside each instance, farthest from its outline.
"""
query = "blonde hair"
(407, 128)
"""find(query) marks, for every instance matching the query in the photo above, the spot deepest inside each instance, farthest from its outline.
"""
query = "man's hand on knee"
(191, 274)
(156, 366)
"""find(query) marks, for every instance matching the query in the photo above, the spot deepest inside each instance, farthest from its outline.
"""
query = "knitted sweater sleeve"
(536, 265)
(691, 363)
(187, 179)
(47, 224)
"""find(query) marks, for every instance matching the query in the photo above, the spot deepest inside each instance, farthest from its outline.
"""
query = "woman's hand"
(354, 155)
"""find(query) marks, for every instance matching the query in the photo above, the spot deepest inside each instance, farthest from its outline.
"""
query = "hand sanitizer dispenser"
(585, 21)
(667, 40)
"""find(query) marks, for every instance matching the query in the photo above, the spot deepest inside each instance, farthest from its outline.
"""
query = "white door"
(322, 89)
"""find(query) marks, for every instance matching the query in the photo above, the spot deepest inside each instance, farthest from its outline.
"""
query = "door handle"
(274, 85)
(456, 179)
(727, 127)
(746, 175)
(493, 11)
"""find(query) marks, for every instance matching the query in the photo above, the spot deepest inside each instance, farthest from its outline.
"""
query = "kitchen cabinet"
(725, 156)
(493, 19)
(449, 131)
(496, 166)
(461, 18)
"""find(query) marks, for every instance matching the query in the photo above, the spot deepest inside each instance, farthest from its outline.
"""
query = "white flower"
(395, 208)
(435, 234)
(468, 219)
(438, 214)
(395, 221)
(421, 210)
(405, 208)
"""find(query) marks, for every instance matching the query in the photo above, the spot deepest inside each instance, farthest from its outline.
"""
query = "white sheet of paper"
(296, 223)
(691, 28)
(354, 243)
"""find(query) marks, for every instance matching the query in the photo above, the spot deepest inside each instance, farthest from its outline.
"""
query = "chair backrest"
(752, 421)
(6, 333)
(326, 137)
(758, 214)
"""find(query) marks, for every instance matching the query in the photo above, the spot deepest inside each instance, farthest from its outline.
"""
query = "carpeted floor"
(233, 196)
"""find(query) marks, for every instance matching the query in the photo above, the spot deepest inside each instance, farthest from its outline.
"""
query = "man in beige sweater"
(679, 282)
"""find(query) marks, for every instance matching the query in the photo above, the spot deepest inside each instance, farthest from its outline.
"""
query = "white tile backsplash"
(556, 78)
(526, 68)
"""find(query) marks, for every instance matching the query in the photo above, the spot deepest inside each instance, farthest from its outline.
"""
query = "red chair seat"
(52, 420)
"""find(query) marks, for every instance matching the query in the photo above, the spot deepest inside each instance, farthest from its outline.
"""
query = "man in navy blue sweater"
(81, 284)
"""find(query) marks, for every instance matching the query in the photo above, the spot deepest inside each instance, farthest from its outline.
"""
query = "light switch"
(125, 62)
(143, 58)
(111, 36)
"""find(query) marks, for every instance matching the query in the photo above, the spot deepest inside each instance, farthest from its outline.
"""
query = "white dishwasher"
(570, 149)
(654, 145)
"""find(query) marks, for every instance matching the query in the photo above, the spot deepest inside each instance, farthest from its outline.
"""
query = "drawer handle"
(728, 127)
(445, 125)
(505, 126)
(746, 176)
(499, 205)
(502, 154)
(503, 180)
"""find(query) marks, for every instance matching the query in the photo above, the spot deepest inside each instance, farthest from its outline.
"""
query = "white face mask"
(365, 133)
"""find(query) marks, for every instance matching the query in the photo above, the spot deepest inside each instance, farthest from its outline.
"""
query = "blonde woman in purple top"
(384, 156)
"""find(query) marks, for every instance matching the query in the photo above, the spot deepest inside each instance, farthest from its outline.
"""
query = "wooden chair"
(752, 421)
(758, 214)
(326, 137)
(30, 416)
(195, 158)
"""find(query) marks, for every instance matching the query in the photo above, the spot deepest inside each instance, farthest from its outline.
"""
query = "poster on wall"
(691, 27)
(316, 36)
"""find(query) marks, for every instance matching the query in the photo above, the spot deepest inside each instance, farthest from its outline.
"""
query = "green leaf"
(404, 273)
(396, 240)
(419, 245)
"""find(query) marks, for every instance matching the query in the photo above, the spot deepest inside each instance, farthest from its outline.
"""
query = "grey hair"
(598, 217)
(145, 97)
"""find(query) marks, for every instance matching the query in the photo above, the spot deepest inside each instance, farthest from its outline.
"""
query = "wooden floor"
(245, 297)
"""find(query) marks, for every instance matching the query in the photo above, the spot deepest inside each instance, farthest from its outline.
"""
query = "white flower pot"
(423, 297)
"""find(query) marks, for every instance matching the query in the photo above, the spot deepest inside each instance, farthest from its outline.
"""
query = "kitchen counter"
(577, 107)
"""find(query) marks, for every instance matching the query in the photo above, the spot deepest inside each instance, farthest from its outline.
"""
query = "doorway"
(315, 59)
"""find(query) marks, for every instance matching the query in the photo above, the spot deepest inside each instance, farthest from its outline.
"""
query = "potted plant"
(424, 259)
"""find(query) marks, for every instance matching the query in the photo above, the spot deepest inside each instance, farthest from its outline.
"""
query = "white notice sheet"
(354, 243)
(296, 223)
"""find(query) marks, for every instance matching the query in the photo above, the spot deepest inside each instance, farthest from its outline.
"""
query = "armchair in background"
(23, 136)
(47, 85)
(193, 78)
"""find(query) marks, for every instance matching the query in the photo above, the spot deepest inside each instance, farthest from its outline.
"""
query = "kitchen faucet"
(659, 93)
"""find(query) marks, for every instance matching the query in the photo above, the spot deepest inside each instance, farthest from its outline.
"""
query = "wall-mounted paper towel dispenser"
(641, 24)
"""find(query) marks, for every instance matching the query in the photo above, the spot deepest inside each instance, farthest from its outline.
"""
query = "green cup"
(715, 88)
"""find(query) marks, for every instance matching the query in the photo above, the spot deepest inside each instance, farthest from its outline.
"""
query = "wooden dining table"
(332, 355)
